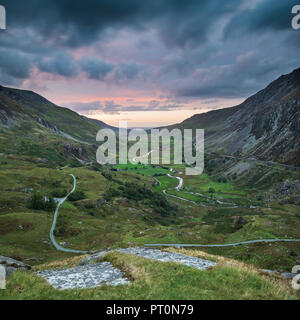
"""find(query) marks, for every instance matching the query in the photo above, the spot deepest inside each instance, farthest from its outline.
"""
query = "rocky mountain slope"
(265, 126)
(31, 125)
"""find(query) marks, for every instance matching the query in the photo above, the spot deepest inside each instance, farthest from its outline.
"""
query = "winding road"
(52, 238)
(221, 245)
(178, 188)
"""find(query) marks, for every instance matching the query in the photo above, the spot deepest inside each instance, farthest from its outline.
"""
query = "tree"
(39, 202)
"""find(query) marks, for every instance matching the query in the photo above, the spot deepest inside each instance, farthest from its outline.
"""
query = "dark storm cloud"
(61, 64)
(81, 22)
(96, 68)
(78, 21)
(255, 42)
(267, 15)
(15, 64)
(249, 73)
(192, 48)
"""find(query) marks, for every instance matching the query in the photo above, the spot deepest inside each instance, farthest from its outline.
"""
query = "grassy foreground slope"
(157, 280)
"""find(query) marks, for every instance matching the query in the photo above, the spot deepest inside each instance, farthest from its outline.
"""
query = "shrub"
(77, 195)
(107, 175)
(111, 193)
(50, 204)
(59, 193)
(39, 202)
(156, 201)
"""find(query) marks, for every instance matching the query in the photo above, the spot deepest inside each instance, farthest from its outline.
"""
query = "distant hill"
(266, 125)
(33, 126)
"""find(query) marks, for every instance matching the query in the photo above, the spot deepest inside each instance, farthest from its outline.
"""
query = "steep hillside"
(265, 126)
(32, 126)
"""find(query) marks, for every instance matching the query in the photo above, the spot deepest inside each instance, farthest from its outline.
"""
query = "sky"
(150, 63)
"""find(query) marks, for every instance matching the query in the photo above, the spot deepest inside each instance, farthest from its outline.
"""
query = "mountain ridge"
(266, 125)
(31, 125)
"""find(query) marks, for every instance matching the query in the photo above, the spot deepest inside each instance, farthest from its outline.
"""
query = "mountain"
(31, 125)
(100, 123)
(265, 126)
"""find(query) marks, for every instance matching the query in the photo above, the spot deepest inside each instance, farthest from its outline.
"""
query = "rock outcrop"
(84, 277)
(12, 265)
(91, 273)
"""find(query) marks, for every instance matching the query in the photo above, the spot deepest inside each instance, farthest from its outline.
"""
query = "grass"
(228, 280)
(165, 183)
(155, 236)
(94, 224)
(188, 196)
(68, 205)
(86, 224)
(275, 256)
(203, 183)
(146, 170)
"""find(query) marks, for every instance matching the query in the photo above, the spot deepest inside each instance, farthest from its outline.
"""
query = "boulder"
(12, 265)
